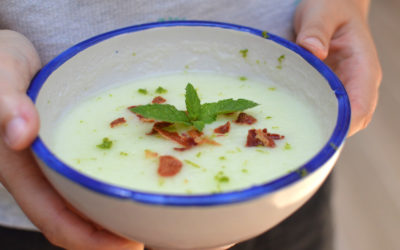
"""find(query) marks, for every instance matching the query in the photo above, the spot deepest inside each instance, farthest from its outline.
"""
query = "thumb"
(315, 27)
(19, 121)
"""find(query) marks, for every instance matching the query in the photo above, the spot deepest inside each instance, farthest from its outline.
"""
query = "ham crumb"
(169, 166)
(223, 129)
(150, 154)
(244, 118)
(158, 99)
(158, 125)
(117, 122)
(261, 137)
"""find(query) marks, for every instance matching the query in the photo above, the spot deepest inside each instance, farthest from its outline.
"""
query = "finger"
(315, 27)
(354, 59)
(47, 210)
(19, 120)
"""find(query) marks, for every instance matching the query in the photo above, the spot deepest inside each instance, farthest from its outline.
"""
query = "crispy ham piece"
(158, 99)
(261, 137)
(223, 129)
(244, 118)
(188, 140)
(150, 154)
(117, 122)
(169, 166)
(158, 125)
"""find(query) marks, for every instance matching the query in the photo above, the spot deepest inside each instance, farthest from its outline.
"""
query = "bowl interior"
(119, 57)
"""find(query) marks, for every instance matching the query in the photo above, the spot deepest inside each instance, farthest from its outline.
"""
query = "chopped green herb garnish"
(197, 114)
(123, 153)
(302, 172)
(280, 61)
(333, 146)
(143, 91)
(258, 61)
(161, 182)
(110, 95)
(244, 170)
(220, 177)
(242, 78)
(272, 88)
(161, 90)
(262, 151)
(244, 52)
(81, 121)
(192, 163)
(186, 66)
(222, 158)
(275, 127)
(107, 144)
(238, 149)
(288, 146)
(133, 54)
(265, 34)
(268, 117)
(198, 154)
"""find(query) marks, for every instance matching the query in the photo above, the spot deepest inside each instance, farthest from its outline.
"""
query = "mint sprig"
(162, 112)
(197, 114)
(192, 101)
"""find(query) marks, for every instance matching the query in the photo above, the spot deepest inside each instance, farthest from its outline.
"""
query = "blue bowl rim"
(335, 141)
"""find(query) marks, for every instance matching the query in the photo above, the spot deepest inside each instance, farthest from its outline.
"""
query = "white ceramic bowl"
(187, 221)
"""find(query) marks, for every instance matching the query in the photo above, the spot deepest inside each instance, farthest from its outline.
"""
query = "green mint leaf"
(192, 100)
(199, 125)
(162, 112)
(209, 111)
(142, 91)
(208, 114)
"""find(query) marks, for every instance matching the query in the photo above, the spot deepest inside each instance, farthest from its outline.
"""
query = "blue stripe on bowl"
(337, 138)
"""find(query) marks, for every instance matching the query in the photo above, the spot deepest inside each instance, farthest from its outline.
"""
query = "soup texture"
(103, 138)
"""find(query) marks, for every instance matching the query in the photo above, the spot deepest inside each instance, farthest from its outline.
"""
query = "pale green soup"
(125, 164)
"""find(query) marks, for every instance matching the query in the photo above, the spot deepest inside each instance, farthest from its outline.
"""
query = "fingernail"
(314, 42)
(15, 129)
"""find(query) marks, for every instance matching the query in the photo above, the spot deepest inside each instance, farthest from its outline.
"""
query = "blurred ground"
(367, 176)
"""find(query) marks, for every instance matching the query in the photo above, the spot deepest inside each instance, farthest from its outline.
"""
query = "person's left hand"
(337, 31)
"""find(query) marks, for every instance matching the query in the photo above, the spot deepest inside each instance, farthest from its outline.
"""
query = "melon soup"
(228, 184)
(132, 157)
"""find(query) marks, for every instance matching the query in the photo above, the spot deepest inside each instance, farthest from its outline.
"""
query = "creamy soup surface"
(206, 168)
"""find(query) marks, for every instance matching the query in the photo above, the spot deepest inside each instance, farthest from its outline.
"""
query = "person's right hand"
(19, 125)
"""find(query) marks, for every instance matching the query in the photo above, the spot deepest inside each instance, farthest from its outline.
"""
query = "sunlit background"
(367, 176)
